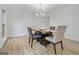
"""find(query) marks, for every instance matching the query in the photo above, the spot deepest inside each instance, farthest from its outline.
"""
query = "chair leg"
(37, 39)
(41, 41)
(31, 43)
(45, 43)
(29, 40)
(55, 48)
(61, 45)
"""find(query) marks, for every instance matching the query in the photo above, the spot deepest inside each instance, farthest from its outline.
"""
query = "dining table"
(44, 33)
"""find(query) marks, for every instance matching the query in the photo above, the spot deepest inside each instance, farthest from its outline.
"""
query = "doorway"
(3, 23)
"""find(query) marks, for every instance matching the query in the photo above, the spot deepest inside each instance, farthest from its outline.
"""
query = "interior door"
(0, 23)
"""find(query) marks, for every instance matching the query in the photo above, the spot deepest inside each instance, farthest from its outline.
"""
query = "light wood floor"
(20, 46)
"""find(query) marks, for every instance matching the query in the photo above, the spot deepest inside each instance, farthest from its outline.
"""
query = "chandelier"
(40, 11)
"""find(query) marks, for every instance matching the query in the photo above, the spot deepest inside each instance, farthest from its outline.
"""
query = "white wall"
(67, 16)
(18, 18)
(42, 21)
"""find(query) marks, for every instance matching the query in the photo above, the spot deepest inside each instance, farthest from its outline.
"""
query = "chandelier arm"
(40, 11)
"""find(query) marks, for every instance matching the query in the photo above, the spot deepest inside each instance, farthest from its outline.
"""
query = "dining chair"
(57, 38)
(32, 36)
(52, 27)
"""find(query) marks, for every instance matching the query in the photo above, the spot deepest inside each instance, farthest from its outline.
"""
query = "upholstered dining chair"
(52, 28)
(57, 38)
(32, 36)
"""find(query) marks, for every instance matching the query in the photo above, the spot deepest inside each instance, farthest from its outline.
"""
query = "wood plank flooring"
(20, 46)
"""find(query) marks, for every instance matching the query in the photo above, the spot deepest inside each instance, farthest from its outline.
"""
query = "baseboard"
(18, 35)
(3, 42)
(71, 38)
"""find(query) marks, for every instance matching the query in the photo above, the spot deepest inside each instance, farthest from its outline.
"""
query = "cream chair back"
(59, 34)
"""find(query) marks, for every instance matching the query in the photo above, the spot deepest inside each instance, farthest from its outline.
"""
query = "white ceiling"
(32, 7)
(48, 7)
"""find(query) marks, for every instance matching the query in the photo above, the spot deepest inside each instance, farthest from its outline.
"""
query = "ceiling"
(48, 7)
(32, 7)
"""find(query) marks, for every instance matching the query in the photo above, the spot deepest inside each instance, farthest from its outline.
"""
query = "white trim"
(17, 35)
(2, 42)
(72, 38)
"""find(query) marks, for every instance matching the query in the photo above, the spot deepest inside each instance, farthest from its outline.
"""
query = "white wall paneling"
(67, 16)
